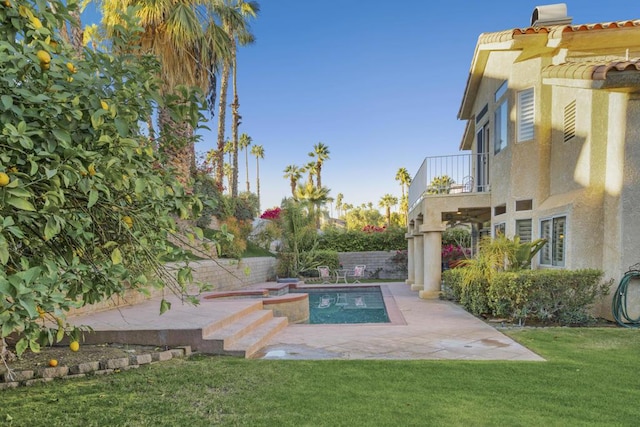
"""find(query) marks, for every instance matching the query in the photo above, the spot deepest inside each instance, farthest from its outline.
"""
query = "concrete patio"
(420, 329)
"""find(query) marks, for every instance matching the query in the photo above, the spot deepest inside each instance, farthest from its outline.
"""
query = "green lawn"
(591, 378)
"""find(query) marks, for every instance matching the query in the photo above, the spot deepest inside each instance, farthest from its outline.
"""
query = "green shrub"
(552, 296)
(392, 239)
(285, 265)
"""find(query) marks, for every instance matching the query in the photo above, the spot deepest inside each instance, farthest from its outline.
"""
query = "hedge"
(360, 241)
(546, 296)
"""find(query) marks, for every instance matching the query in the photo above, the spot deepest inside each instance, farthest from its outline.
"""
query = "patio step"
(245, 335)
(258, 338)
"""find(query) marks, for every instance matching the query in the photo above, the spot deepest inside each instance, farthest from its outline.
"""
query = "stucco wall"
(379, 263)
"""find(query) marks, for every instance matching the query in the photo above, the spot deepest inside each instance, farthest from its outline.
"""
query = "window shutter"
(523, 229)
(525, 115)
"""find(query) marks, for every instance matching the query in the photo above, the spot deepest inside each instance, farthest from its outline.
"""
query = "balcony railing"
(460, 173)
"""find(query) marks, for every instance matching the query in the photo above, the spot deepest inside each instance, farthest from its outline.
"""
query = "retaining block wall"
(221, 274)
(379, 264)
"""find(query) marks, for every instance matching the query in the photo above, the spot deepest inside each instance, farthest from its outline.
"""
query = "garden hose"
(620, 312)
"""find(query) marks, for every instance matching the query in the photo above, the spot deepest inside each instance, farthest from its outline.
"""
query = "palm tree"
(258, 151)
(228, 149)
(404, 178)
(228, 172)
(321, 153)
(293, 173)
(387, 201)
(244, 142)
(339, 200)
(315, 196)
(311, 168)
(184, 35)
(233, 15)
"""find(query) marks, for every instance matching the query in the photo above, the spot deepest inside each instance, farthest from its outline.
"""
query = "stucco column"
(418, 263)
(410, 267)
(432, 264)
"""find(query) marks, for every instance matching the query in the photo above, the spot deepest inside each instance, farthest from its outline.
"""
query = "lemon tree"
(85, 203)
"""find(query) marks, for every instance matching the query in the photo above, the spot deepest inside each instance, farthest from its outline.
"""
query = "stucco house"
(551, 149)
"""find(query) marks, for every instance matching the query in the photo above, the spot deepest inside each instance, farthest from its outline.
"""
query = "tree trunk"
(235, 122)
(258, 181)
(77, 33)
(246, 165)
(222, 110)
(319, 175)
(177, 145)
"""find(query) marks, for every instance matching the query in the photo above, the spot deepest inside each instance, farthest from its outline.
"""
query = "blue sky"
(378, 82)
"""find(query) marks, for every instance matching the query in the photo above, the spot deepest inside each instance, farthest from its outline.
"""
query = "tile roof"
(589, 70)
(554, 31)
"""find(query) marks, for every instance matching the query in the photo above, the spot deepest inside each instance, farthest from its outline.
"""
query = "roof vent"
(551, 14)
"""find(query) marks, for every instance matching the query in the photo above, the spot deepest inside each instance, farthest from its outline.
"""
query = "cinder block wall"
(379, 264)
(221, 274)
(225, 274)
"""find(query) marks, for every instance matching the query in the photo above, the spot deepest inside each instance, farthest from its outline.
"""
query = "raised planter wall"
(221, 274)
(226, 274)
(376, 261)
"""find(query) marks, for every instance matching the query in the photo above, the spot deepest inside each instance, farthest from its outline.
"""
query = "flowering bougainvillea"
(453, 252)
(374, 229)
(271, 213)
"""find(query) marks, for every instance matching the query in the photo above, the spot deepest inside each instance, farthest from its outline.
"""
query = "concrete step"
(232, 332)
(257, 338)
(229, 319)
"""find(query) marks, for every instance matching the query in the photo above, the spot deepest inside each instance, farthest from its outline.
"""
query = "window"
(523, 229)
(502, 90)
(525, 115)
(554, 230)
(524, 205)
(501, 119)
(500, 123)
(499, 229)
(500, 209)
(569, 121)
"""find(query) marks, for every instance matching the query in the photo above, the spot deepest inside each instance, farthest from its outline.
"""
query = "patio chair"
(325, 273)
(358, 273)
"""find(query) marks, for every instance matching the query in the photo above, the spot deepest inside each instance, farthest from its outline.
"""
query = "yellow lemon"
(35, 22)
(69, 79)
(45, 66)
(53, 363)
(91, 169)
(104, 105)
(71, 67)
(24, 12)
(128, 220)
(4, 179)
(44, 57)
(7, 3)
(74, 346)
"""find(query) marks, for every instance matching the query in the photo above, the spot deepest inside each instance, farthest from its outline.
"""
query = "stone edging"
(108, 366)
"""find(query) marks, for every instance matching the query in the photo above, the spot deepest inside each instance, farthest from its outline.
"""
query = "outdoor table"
(342, 274)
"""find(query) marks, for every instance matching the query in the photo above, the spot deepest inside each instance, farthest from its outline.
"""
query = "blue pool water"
(346, 305)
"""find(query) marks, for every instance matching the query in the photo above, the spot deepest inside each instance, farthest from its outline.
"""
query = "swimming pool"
(336, 305)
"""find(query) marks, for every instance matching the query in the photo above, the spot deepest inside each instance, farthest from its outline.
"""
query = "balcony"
(460, 173)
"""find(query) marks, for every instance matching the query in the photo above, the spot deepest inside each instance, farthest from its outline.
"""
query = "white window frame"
(526, 114)
(501, 119)
(500, 225)
(550, 247)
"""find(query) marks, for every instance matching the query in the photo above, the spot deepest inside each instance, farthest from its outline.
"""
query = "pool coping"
(271, 295)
